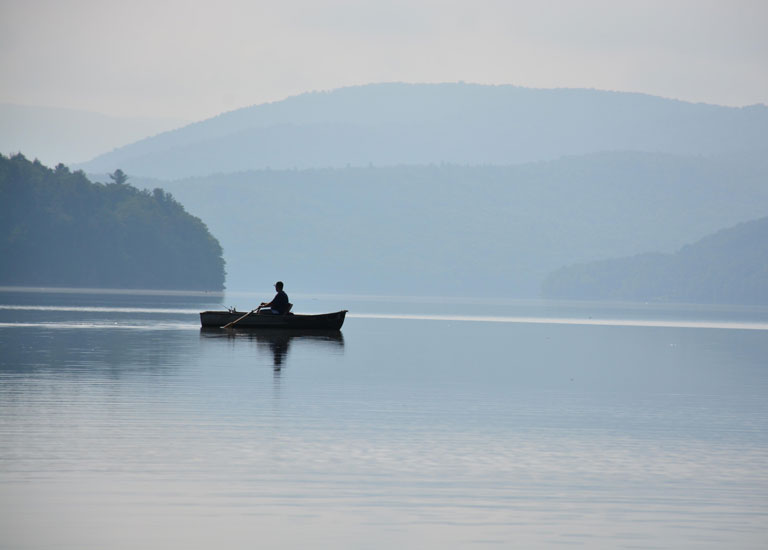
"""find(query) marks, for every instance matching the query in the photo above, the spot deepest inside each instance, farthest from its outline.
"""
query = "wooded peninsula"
(57, 228)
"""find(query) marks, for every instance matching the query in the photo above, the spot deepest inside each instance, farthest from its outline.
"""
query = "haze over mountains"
(454, 189)
(395, 124)
(55, 135)
(730, 266)
(467, 231)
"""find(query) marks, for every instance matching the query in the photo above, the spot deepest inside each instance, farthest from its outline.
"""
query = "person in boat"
(279, 304)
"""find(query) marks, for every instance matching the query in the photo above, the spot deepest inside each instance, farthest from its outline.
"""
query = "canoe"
(324, 321)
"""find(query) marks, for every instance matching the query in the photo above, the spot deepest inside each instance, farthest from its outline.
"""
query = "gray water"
(423, 424)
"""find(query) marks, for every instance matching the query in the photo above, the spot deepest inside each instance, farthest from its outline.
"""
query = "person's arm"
(265, 304)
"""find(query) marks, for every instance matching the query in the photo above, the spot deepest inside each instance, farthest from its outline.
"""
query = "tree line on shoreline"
(57, 228)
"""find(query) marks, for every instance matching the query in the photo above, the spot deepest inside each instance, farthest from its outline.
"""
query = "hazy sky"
(194, 59)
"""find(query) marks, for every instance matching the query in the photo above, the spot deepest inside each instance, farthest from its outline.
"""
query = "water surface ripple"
(423, 429)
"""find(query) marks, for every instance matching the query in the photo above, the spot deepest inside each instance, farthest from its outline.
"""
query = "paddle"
(229, 325)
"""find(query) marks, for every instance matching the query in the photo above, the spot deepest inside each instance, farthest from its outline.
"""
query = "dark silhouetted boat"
(256, 320)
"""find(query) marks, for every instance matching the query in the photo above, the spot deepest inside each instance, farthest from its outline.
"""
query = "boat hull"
(325, 321)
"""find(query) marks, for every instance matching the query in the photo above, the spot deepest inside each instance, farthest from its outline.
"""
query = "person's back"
(279, 303)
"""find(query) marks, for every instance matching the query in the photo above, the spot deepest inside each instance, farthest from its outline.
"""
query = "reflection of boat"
(277, 340)
(276, 335)
(254, 320)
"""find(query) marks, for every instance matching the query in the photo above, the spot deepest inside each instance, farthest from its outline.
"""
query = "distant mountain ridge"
(55, 135)
(396, 124)
(729, 266)
(447, 230)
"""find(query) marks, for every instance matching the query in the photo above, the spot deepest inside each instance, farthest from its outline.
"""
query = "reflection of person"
(279, 351)
(279, 304)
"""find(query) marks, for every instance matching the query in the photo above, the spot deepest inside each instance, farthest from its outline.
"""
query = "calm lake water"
(424, 424)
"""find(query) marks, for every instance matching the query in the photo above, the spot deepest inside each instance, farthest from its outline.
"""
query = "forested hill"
(462, 230)
(727, 267)
(59, 229)
(395, 124)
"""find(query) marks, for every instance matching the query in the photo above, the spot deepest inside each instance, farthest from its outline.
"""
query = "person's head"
(279, 285)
